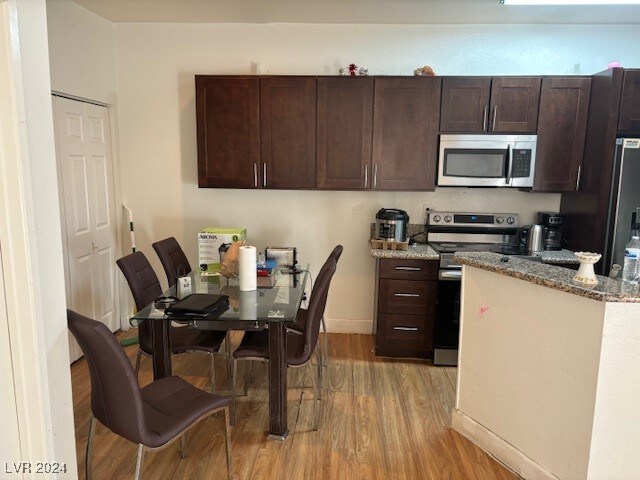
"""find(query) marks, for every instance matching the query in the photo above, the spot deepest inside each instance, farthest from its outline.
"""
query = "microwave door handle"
(509, 164)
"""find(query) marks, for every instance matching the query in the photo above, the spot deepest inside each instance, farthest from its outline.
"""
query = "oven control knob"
(436, 218)
(511, 220)
(500, 220)
(447, 218)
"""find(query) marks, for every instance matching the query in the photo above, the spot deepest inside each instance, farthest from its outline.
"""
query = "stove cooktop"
(502, 248)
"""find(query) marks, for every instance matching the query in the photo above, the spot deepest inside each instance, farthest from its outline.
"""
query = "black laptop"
(199, 305)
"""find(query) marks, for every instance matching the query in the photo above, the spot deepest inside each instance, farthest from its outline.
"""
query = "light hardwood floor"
(380, 419)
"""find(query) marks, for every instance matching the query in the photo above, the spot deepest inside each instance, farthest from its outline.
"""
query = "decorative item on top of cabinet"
(228, 126)
(345, 122)
(406, 292)
(405, 133)
(485, 104)
(288, 132)
(630, 102)
(564, 105)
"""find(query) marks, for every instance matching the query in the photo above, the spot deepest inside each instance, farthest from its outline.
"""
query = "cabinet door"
(405, 133)
(288, 132)
(562, 126)
(629, 119)
(465, 104)
(345, 117)
(227, 113)
(514, 104)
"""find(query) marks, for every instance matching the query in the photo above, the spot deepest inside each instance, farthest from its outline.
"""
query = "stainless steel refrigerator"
(623, 201)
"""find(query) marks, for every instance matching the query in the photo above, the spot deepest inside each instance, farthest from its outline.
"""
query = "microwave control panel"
(521, 163)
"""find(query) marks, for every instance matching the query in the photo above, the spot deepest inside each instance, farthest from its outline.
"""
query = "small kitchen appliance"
(487, 160)
(552, 224)
(391, 225)
(451, 232)
(531, 239)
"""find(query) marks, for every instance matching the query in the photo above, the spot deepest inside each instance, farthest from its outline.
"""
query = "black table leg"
(278, 429)
(161, 348)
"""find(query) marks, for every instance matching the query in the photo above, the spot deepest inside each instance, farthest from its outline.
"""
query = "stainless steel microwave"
(487, 160)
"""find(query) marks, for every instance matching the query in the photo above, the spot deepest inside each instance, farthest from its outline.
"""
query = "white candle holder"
(586, 274)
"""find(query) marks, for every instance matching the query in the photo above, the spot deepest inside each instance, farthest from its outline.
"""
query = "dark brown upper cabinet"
(345, 118)
(485, 104)
(405, 133)
(288, 132)
(629, 119)
(564, 105)
(228, 131)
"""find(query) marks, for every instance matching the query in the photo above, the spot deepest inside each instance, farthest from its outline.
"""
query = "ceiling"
(355, 11)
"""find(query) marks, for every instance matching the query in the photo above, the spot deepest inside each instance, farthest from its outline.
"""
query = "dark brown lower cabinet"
(406, 292)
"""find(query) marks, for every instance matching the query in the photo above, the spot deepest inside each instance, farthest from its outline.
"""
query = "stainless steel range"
(450, 232)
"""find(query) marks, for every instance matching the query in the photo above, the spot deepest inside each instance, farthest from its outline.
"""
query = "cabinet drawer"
(405, 331)
(408, 269)
(407, 297)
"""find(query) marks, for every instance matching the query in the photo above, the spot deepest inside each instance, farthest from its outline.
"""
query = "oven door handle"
(509, 164)
(450, 275)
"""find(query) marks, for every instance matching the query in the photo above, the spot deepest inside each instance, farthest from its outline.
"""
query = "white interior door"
(85, 166)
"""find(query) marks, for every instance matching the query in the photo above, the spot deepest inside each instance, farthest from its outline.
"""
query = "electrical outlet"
(425, 212)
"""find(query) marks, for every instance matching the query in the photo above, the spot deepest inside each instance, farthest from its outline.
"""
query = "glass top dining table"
(267, 307)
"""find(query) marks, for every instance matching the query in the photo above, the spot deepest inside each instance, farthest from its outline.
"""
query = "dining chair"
(173, 259)
(301, 317)
(153, 416)
(145, 288)
(300, 348)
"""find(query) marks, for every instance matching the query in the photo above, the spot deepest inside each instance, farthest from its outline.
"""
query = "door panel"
(86, 191)
(465, 104)
(514, 104)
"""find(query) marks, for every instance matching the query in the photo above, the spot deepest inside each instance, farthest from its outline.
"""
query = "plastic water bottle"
(631, 257)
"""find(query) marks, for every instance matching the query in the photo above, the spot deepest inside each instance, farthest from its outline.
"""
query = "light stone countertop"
(418, 251)
(552, 276)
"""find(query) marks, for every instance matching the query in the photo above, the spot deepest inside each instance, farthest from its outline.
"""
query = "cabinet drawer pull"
(406, 329)
(495, 114)
(255, 175)
(264, 174)
(410, 269)
(366, 175)
(406, 295)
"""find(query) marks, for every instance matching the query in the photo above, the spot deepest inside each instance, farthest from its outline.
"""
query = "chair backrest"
(317, 304)
(173, 259)
(145, 288)
(336, 252)
(115, 392)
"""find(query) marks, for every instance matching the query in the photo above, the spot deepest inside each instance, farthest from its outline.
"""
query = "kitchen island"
(549, 369)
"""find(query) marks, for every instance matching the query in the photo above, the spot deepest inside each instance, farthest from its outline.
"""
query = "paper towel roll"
(249, 305)
(247, 268)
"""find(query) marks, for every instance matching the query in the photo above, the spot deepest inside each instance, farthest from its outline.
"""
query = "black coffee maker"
(552, 223)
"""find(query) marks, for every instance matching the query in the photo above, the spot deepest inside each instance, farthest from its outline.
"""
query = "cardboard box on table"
(212, 245)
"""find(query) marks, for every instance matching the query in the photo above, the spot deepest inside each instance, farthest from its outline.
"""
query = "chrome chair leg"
(319, 372)
(227, 440)
(234, 390)
(138, 357)
(325, 354)
(87, 460)
(213, 373)
(315, 398)
(183, 446)
(139, 461)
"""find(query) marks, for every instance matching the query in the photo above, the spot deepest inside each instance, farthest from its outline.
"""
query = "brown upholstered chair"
(301, 317)
(153, 416)
(145, 287)
(300, 348)
(173, 259)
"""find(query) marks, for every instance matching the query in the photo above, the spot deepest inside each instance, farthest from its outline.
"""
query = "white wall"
(30, 235)
(156, 64)
(81, 52)
(528, 371)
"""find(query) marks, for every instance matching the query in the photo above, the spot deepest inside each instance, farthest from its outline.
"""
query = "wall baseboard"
(499, 448)
(357, 325)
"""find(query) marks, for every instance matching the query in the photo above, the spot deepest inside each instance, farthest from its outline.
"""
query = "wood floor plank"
(379, 419)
